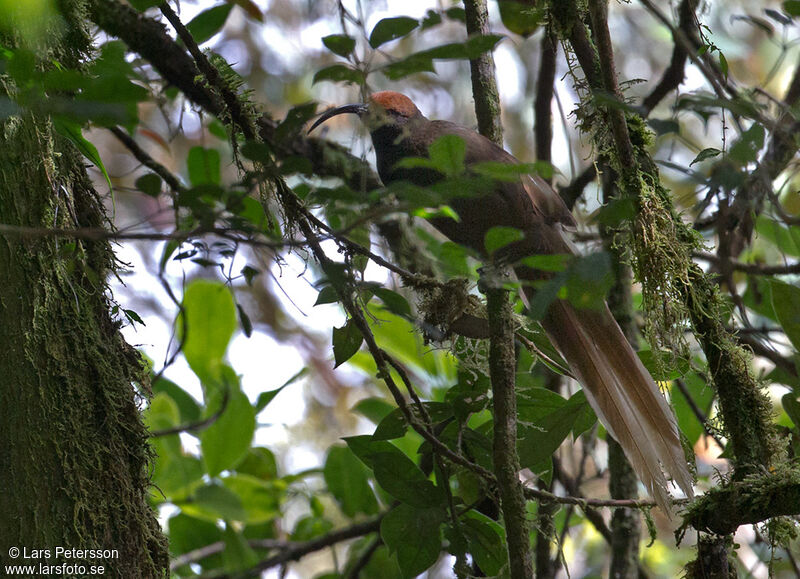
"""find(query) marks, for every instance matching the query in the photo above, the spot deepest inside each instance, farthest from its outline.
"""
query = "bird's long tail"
(622, 393)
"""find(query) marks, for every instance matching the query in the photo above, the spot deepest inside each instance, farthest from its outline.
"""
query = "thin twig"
(198, 425)
(751, 268)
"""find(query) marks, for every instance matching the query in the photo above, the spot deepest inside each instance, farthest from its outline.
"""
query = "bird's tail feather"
(622, 393)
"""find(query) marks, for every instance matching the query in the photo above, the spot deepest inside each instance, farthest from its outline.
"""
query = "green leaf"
(310, 527)
(705, 154)
(391, 29)
(423, 61)
(723, 65)
(209, 317)
(260, 462)
(616, 211)
(400, 477)
(486, 541)
(339, 73)
(204, 166)
(189, 533)
(346, 342)
(294, 121)
(214, 501)
(406, 67)
(348, 482)
(364, 447)
(792, 407)
(187, 405)
(256, 151)
(431, 19)
(523, 18)
(584, 415)
(758, 297)
(393, 301)
(414, 536)
(339, 44)
(238, 555)
(176, 475)
(702, 395)
(662, 366)
(746, 149)
(72, 131)
(244, 319)
(149, 184)
(511, 172)
(394, 424)
(792, 7)
(499, 237)
(396, 473)
(786, 303)
(785, 238)
(266, 397)
(142, 5)
(228, 439)
(162, 412)
(373, 409)
(260, 498)
(447, 153)
(472, 48)
(550, 262)
(545, 420)
(589, 279)
(206, 24)
(327, 295)
(664, 126)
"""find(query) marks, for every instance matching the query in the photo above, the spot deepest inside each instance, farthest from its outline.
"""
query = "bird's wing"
(532, 198)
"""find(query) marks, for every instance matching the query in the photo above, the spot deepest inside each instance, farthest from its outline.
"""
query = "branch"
(782, 148)
(674, 73)
(622, 481)
(670, 80)
(598, 9)
(698, 413)
(583, 502)
(714, 76)
(502, 358)
(758, 498)
(751, 268)
(759, 349)
(145, 159)
(294, 552)
(484, 84)
(542, 115)
(502, 363)
(197, 425)
(225, 100)
(594, 517)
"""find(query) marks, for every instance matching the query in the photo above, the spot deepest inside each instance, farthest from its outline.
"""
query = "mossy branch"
(753, 500)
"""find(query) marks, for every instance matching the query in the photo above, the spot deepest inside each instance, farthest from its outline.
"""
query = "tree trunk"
(74, 460)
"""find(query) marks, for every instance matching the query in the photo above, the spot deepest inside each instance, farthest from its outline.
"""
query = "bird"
(619, 388)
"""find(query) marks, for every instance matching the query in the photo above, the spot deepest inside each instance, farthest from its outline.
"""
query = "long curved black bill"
(358, 109)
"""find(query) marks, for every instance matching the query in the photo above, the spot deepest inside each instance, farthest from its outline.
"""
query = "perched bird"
(617, 385)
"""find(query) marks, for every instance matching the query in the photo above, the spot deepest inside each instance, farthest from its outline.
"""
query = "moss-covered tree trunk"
(74, 458)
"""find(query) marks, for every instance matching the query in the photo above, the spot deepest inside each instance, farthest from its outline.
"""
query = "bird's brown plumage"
(619, 388)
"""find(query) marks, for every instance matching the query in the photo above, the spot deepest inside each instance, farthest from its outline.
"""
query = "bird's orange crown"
(394, 101)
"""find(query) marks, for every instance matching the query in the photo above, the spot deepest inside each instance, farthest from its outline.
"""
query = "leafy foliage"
(412, 503)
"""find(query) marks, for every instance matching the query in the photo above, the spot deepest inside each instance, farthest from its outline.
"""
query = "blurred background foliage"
(248, 412)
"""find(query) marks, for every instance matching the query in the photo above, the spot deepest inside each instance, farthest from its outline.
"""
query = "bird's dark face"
(385, 110)
(390, 118)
